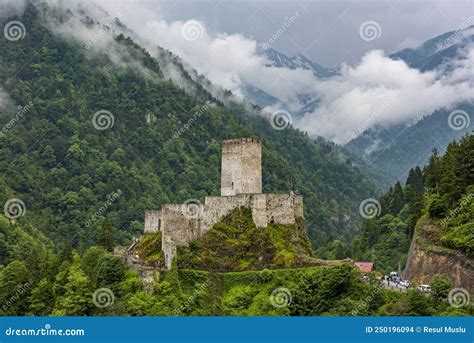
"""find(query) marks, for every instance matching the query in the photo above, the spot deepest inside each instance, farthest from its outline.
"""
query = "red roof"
(365, 266)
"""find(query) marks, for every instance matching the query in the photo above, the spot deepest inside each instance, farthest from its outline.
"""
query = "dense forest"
(442, 192)
(65, 170)
(41, 282)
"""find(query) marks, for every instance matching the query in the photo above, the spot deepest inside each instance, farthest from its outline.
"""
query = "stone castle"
(241, 185)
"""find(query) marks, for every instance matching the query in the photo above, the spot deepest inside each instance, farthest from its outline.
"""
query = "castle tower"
(241, 168)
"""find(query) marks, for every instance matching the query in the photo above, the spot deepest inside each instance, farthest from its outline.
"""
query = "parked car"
(405, 283)
(394, 277)
(424, 288)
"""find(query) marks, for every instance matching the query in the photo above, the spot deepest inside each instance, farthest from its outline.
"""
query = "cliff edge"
(427, 258)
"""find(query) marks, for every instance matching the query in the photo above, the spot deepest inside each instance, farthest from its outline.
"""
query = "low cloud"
(11, 7)
(4, 101)
(375, 91)
(382, 91)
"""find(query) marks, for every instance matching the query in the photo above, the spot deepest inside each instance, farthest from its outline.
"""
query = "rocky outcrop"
(241, 185)
(148, 272)
(426, 258)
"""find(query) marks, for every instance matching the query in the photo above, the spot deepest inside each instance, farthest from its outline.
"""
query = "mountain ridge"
(139, 149)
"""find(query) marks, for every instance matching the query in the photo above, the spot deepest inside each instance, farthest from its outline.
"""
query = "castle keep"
(241, 185)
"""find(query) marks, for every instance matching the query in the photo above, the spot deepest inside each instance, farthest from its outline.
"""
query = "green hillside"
(63, 168)
(441, 194)
(74, 186)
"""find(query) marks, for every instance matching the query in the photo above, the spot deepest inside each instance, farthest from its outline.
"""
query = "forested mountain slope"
(394, 150)
(159, 144)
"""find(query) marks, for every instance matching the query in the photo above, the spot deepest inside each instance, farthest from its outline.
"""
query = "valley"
(133, 185)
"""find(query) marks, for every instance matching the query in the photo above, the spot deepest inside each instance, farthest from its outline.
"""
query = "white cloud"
(4, 101)
(11, 7)
(382, 91)
(378, 90)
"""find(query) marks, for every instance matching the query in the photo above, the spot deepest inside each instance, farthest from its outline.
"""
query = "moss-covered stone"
(149, 247)
(236, 244)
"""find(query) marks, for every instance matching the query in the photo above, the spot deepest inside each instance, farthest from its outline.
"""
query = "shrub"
(436, 207)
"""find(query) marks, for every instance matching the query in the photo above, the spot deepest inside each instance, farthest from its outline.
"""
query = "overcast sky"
(219, 40)
(325, 31)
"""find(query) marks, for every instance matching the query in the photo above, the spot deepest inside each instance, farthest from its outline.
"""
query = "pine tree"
(398, 199)
(466, 160)
(385, 201)
(450, 186)
(414, 191)
(415, 180)
(432, 171)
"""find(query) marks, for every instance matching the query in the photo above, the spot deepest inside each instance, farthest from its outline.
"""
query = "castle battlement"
(241, 185)
(241, 140)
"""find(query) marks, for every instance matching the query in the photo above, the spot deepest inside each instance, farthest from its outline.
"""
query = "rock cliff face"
(426, 259)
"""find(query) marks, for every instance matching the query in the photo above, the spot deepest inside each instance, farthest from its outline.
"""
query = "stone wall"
(179, 228)
(241, 166)
(266, 208)
(152, 221)
(241, 185)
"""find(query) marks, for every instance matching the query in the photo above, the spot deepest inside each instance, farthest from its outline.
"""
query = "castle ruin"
(241, 185)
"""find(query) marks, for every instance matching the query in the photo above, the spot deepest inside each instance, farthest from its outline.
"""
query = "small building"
(365, 267)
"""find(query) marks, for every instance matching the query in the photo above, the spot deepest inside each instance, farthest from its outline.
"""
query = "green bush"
(460, 237)
(436, 207)
(440, 287)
